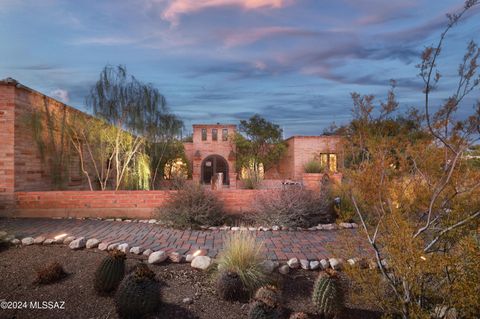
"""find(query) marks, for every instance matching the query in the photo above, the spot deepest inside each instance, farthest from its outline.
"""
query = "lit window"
(329, 161)
(224, 134)
(214, 134)
(332, 162)
(204, 134)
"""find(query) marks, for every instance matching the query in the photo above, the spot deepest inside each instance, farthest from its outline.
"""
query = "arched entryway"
(214, 164)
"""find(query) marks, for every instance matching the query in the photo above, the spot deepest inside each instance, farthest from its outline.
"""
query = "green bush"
(294, 208)
(313, 167)
(243, 255)
(191, 207)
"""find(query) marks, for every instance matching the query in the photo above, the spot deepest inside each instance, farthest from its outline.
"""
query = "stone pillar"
(232, 178)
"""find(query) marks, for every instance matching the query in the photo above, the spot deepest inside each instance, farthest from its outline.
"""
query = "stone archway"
(214, 164)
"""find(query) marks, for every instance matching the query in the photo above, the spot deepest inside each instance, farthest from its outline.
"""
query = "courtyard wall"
(127, 204)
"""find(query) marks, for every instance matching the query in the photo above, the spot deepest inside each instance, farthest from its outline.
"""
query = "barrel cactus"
(230, 286)
(269, 295)
(298, 315)
(110, 272)
(138, 294)
(260, 310)
(327, 294)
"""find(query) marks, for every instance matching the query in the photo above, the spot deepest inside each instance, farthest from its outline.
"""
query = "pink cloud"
(239, 38)
(176, 8)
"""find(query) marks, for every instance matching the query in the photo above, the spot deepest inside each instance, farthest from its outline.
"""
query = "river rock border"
(198, 260)
(331, 226)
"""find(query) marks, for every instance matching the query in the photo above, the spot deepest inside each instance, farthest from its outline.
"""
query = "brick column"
(312, 181)
(7, 138)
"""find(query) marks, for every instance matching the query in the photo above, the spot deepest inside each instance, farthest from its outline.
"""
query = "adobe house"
(22, 168)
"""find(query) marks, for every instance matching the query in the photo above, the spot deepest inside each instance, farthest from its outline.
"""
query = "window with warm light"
(329, 161)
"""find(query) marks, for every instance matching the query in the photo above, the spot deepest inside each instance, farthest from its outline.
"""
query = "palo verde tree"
(417, 196)
(258, 144)
(140, 114)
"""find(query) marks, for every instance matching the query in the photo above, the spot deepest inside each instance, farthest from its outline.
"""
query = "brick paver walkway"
(280, 245)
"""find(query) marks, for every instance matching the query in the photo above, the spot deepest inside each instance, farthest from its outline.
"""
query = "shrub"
(230, 286)
(343, 205)
(138, 294)
(193, 206)
(327, 294)
(251, 179)
(294, 208)
(243, 255)
(313, 167)
(50, 274)
(110, 272)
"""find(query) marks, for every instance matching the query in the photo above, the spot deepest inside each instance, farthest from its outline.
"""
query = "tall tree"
(258, 143)
(136, 108)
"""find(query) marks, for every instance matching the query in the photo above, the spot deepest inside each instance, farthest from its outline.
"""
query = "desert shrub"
(251, 178)
(193, 206)
(243, 255)
(343, 205)
(313, 167)
(138, 294)
(50, 274)
(110, 272)
(294, 208)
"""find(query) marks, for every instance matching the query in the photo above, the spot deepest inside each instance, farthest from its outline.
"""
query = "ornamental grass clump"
(243, 255)
(192, 207)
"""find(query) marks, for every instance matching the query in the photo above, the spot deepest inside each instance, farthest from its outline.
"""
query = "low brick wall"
(131, 204)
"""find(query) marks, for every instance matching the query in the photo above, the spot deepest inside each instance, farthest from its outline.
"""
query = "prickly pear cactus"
(138, 294)
(260, 310)
(327, 295)
(110, 272)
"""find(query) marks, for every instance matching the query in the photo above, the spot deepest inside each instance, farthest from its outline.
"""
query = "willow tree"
(417, 196)
(137, 109)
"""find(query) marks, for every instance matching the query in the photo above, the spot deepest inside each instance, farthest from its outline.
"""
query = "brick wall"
(131, 204)
(32, 170)
(7, 171)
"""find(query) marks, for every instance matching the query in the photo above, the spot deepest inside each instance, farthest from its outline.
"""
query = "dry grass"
(243, 255)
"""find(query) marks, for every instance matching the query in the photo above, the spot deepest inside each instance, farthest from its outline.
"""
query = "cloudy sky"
(293, 61)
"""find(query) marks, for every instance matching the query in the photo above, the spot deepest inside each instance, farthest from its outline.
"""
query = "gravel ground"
(179, 281)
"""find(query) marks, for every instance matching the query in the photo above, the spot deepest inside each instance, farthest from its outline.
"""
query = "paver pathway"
(280, 245)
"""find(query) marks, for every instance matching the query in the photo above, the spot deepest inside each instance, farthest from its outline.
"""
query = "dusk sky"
(293, 61)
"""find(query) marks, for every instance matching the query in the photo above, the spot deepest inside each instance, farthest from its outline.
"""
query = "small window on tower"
(204, 134)
(214, 134)
(224, 134)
